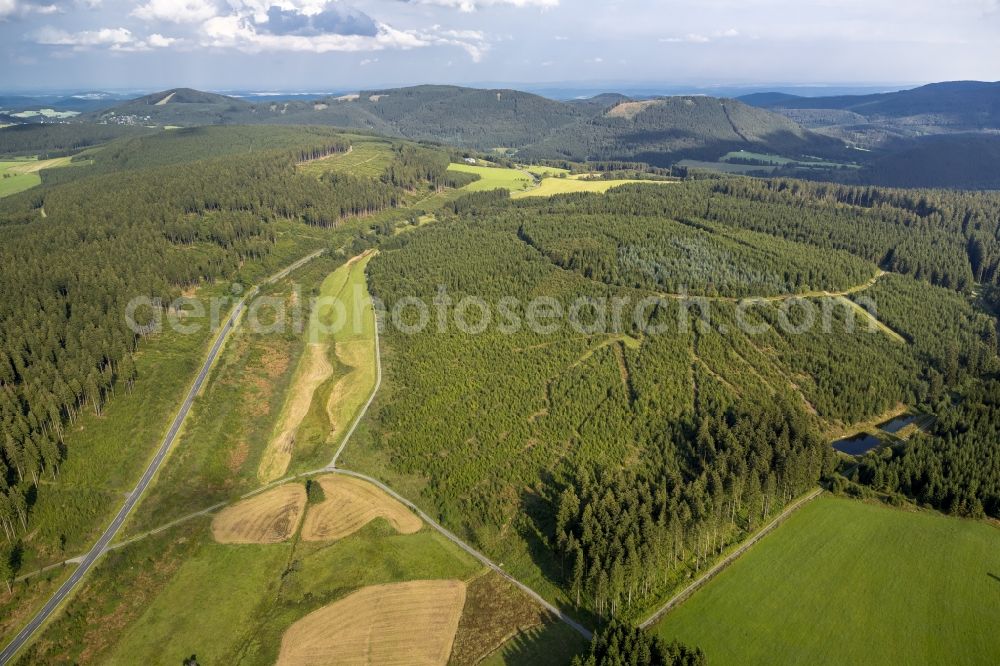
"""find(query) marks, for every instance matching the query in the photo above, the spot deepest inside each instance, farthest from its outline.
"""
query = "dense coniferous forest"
(699, 257)
(131, 225)
(954, 466)
(619, 644)
(940, 135)
(662, 131)
(637, 457)
(54, 140)
(616, 455)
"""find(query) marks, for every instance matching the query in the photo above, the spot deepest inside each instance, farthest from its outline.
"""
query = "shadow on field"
(993, 576)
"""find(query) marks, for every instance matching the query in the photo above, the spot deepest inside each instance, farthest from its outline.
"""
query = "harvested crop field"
(351, 504)
(270, 517)
(314, 369)
(401, 623)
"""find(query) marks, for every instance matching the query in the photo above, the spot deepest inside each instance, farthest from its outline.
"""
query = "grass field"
(230, 604)
(777, 160)
(345, 320)
(367, 158)
(19, 175)
(495, 178)
(209, 608)
(106, 453)
(552, 186)
(846, 582)
(545, 170)
(217, 453)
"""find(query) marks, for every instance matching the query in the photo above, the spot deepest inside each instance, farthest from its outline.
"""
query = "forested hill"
(662, 131)
(131, 223)
(606, 127)
(180, 106)
(958, 161)
(463, 116)
(964, 104)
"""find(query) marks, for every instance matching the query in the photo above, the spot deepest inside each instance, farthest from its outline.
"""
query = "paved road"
(364, 409)
(579, 628)
(332, 467)
(102, 544)
(711, 573)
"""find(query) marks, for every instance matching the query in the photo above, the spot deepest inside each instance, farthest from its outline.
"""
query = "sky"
(339, 45)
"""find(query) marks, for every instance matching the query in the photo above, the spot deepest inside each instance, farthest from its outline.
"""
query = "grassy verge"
(217, 455)
(19, 604)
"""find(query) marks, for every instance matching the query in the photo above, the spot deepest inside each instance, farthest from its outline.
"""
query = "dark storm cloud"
(332, 21)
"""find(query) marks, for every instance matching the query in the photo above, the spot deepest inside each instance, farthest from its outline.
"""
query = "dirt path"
(783, 297)
(729, 559)
(315, 368)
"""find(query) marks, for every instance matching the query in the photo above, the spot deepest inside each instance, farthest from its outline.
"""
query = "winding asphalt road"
(88, 560)
(332, 467)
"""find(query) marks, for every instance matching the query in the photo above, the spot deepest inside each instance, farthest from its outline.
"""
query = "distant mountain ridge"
(663, 130)
(606, 127)
(960, 105)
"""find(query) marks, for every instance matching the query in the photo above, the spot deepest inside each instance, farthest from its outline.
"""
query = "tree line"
(76, 252)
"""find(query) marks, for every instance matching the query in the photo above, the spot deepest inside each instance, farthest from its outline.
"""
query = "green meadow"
(844, 582)
(22, 174)
(495, 178)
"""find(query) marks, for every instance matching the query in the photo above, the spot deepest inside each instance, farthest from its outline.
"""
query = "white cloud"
(7, 7)
(176, 11)
(20, 8)
(473, 5)
(690, 38)
(113, 39)
(240, 33)
(158, 41)
(85, 38)
(698, 38)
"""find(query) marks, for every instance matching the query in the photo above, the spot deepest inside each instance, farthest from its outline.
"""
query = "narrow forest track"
(855, 289)
(332, 467)
(87, 562)
(683, 595)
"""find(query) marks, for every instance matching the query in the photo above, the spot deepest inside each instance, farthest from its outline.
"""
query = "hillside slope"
(180, 106)
(954, 104)
(604, 127)
(662, 131)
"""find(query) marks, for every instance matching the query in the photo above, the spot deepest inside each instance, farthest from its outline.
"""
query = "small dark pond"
(857, 445)
(898, 423)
